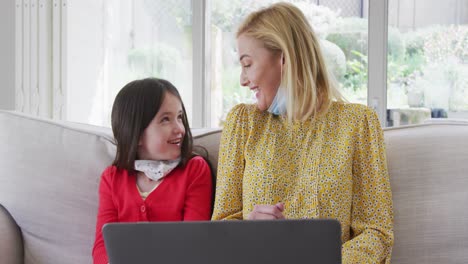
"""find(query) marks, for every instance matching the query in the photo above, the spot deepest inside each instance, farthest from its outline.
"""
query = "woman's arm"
(198, 201)
(107, 213)
(228, 199)
(372, 214)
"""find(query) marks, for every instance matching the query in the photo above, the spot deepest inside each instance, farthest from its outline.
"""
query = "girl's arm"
(199, 194)
(107, 213)
(372, 215)
(228, 199)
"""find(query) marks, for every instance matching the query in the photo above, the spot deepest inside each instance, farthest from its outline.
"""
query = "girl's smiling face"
(162, 139)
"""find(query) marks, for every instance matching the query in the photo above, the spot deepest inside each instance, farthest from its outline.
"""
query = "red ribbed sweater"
(185, 194)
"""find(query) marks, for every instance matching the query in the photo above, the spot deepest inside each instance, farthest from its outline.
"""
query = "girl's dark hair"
(136, 104)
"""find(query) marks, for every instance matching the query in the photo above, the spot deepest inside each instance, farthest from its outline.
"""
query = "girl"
(155, 176)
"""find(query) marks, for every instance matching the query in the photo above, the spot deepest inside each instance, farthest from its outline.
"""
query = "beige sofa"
(49, 175)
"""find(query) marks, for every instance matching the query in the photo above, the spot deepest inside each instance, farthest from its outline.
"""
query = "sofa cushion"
(428, 168)
(49, 183)
(208, 140)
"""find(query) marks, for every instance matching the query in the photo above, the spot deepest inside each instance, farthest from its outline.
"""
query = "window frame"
(377, 50)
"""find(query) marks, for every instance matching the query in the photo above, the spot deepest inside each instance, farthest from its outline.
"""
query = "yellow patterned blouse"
(331, 167)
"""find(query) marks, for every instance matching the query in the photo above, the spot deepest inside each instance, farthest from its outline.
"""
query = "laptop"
(227, 242)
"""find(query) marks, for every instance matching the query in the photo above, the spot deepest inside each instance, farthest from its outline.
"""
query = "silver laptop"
(260, 242)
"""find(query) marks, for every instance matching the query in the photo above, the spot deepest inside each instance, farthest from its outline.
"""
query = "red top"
(185, 194)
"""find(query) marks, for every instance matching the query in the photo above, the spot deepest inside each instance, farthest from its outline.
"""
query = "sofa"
(49, 176)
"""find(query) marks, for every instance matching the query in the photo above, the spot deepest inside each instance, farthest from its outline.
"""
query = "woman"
(301, 151)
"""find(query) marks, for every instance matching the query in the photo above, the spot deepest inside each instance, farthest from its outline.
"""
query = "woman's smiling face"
(261, 70)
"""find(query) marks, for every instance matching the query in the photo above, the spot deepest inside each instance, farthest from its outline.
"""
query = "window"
(427, 60)
(110, 43)
(72, 57)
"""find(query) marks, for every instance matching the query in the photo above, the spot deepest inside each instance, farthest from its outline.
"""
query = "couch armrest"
(11, 244)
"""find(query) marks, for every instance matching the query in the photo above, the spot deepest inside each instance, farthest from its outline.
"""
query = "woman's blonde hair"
(310, 88)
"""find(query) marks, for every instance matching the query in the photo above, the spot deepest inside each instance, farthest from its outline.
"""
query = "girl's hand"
(267, 212)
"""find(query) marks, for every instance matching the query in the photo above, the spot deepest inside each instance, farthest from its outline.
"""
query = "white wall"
(7, 54)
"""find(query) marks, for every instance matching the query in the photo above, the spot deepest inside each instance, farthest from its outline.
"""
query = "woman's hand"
(267, 212)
